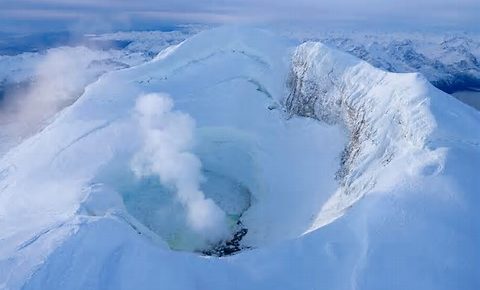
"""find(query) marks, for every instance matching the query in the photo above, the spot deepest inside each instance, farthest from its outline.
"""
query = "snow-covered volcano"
(315, 168)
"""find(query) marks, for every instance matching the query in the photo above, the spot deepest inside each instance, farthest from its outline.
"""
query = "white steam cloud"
(53, 81)
(166, 153)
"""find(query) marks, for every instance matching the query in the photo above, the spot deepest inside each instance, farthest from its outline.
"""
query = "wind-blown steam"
(57, 79)
(167, 140)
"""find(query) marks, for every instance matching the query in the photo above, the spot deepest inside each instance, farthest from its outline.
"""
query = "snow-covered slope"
(451, 61)
(36, 85)
(151, 42)
(330, 174)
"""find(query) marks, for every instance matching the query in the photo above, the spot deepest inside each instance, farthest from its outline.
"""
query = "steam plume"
(167, 141)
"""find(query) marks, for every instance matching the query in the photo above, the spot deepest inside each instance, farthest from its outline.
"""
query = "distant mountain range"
(451, 61)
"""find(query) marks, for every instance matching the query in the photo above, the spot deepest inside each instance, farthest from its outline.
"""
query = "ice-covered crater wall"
(386, 115)
(294, 135)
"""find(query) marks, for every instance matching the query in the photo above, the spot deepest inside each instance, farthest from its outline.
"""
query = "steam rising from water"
(167, 141)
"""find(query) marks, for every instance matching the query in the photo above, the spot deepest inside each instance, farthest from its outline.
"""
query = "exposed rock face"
(371, 104)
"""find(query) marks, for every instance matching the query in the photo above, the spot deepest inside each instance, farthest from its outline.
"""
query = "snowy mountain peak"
(238, 141)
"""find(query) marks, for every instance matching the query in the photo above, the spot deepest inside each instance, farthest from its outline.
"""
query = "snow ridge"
(449, 60)
(387, 115)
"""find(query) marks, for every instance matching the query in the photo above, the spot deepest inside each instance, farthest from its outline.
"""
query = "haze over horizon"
(23, 16)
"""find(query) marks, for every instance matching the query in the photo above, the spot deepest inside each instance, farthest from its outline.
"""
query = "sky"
(102, 15)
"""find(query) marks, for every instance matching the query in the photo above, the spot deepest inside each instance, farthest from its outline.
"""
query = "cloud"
(166, 153)
(432, 13)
